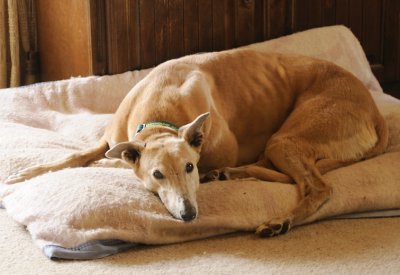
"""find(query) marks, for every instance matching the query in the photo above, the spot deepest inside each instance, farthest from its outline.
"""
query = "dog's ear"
(128, 151)
(193, 132)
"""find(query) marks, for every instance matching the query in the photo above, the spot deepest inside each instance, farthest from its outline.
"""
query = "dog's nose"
(189, 212)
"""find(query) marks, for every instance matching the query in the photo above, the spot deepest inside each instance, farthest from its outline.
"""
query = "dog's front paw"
(24, 174)
(219, 174)
(15, 178)
(274, 227)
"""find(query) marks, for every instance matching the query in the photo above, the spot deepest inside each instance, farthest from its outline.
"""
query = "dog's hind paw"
(274, 227)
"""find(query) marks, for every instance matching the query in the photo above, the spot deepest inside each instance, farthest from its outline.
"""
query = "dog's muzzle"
(189, 212)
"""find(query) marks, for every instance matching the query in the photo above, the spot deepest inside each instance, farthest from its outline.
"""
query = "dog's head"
(167, 166)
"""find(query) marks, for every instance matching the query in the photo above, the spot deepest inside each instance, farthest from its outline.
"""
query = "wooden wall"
(143, 33)
(63, 38)
(82, 37)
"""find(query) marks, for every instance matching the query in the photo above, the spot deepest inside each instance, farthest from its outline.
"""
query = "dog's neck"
(142, 126)
(156, 132)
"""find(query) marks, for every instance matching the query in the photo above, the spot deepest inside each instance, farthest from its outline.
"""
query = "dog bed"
(92, 212)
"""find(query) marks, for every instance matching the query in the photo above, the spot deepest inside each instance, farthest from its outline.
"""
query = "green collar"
(140, 127)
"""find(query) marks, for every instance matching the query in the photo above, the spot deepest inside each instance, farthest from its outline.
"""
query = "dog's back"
(249, 95)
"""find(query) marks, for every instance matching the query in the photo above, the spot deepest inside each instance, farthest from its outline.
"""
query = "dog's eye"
(158, 175)
(189, 167)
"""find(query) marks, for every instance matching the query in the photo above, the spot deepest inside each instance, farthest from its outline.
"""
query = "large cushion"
(100, 210)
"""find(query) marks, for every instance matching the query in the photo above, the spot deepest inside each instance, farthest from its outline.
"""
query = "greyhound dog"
(239, 114)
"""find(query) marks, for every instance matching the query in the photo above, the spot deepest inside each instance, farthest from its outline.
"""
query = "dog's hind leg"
(326, 165)
(74, 160)
(294, 158)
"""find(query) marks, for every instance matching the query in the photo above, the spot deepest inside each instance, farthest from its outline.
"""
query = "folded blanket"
(100, 210)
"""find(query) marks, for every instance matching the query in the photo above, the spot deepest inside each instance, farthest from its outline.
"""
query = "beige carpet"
(364, 246)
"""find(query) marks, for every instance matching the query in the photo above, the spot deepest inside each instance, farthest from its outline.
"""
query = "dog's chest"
(249, 150)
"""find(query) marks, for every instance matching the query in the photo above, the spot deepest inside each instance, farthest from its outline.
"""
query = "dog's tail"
(382, 132)
(79, 159)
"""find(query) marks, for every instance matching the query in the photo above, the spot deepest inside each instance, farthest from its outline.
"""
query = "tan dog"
(239, 111)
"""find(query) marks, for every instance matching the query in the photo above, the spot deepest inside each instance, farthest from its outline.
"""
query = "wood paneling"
(191, 26)
(355, 17)
(147, 34)
(391, 40)
(371, 30)
(342, 12)
(223, 24)
(64, 39)
(134, 28)
(161, 30)
(118, 35)
(175, 24)
(205, 25)
(244, 22)
(277, 18)
(98, 54)
(136, 34)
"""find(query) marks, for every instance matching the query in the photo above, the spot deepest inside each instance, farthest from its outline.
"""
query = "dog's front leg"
(248, 171)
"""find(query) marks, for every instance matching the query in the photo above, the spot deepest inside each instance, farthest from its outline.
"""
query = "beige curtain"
(18, 43)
